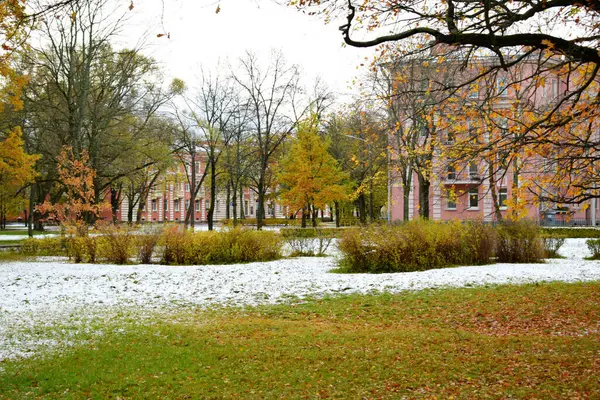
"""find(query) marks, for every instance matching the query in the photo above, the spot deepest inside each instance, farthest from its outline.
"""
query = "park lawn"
(24, 232)
(531, 341)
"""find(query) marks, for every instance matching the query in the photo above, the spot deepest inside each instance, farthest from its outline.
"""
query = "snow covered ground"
(66, 297)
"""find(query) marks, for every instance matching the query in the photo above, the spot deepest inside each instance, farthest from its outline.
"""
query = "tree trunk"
(424, 186)
(315, 214)
(130, 208)
(191, 210)
(234, 203)
(492, 180)
(242, 205)
(213, 193)
(362, 209)
(303, 217)
(228, 202)
(406, 192)
(261, 201)
(515, 188)
(337, 214)
(115, 200)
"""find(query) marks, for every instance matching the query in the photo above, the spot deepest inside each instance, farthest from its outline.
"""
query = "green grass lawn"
(23, 232)
(533, 341)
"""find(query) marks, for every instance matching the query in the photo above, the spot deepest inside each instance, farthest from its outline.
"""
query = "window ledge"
(473, 209)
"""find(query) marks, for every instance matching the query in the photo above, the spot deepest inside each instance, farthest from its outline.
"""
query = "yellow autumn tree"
(310, 176)
(12, 35)
(16, 171)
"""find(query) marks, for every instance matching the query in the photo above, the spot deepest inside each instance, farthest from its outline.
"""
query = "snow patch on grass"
(55, 303)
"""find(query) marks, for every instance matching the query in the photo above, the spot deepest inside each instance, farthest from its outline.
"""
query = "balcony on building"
(465, 178)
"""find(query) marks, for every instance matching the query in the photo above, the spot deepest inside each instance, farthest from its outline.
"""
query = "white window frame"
(473, 170)
(502, 192)
(502, 86)
(451, 173)
(450, 204)
(470, 193)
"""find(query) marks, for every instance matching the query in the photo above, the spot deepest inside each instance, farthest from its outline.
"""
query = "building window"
(207, 205)
(176, 205)
(501, 86)
(251, 210)
(246, 207)
(502, 198)
(187, 204)
(197, 205)
(474, 92)
(197, 167)
(165, 205)
(451, 173)
(187, 187)
(154, 205)
(474, 198)
(217, 205)
(450, 201)
(473, 172)
(554, 84)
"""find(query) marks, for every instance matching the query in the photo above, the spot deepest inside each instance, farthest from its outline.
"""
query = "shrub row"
(224, 247)
(421, 245)
(172, 245)
(266, 222)
(577, 233)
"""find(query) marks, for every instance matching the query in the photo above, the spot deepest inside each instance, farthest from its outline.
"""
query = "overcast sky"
(200, 36)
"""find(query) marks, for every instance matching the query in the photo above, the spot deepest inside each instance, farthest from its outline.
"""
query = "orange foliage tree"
(310, 176)
(77, 206)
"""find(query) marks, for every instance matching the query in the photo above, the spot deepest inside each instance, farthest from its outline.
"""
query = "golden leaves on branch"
(79, 201)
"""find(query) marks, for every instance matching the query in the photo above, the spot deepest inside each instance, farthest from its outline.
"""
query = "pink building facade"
(170, 197)
(466, 190)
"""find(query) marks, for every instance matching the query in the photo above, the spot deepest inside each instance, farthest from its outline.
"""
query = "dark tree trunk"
(424, 186)
(228, 202)
(337, 214)
(115, 200)
(304, 212)
(259, 207)
(213, 194)
(362, 209)
(406, 192)
(191, 210)
(234, 203)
